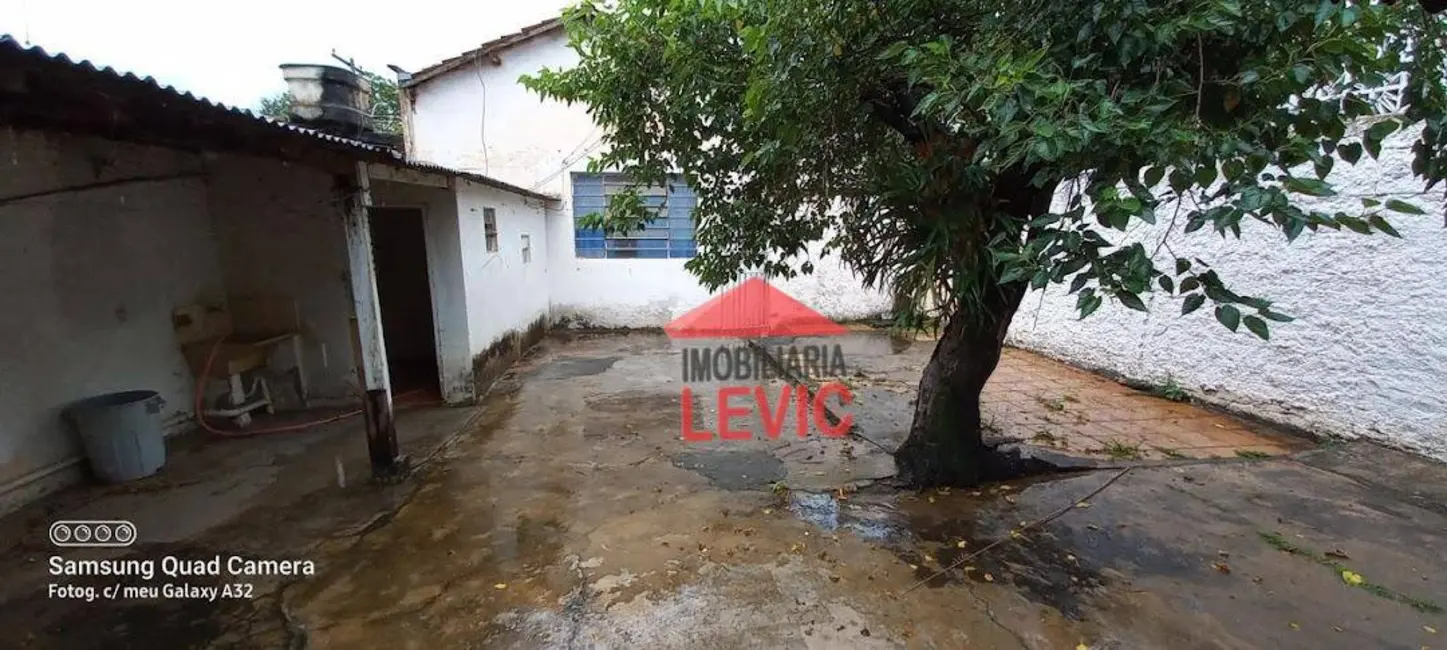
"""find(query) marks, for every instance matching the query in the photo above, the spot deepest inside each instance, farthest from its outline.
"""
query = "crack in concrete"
(990, 614)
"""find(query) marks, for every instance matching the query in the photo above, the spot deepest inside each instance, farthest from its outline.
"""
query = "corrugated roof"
(54, 92)
(489, 48)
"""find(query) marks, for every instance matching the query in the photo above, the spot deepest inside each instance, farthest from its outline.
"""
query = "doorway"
(399, 251)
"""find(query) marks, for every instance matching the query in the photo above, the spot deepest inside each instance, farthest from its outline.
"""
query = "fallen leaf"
(500, 585)
(1221, 566)
(1294, 626)
(989, 578)
(931, 499)
(1337, 554)
(1092, 527)
(1083, 504)
(1009, 499)
(960, 544)
(1429, 629)
(1351, 577)
(1069, 557)
(929, 558)
(768, 511)
(1336, 627)
(1081, 646)
(914, 567)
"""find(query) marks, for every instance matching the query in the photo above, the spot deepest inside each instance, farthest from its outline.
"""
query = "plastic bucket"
(121, 433)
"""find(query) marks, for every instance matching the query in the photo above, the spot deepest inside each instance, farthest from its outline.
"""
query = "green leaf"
(1180, 180)
(1258, 327)
(1167, 284)
(1403, 207)
(1014, 274)
(1249, 76)
(1382, 129)
(1091, 304)
(1233, 169)
(1309, 186)
(1350, 152)
(1278, 317)
(1205, 175)
(1229, 316)
(1370, 203)
(1182, 265)
(1130, 300)
(1301, 73)
(1192, 303)
(1354, 224)
(1190, 284)
(1153, 175)
(1381, 224)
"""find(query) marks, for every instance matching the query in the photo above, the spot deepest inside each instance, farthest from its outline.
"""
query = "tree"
(386, 110)
(924, 140)
(276, 107)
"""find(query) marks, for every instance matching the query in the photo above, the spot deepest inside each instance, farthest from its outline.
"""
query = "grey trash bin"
(121, 433)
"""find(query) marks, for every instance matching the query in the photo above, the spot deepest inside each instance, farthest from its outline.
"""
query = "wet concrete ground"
(568, 513)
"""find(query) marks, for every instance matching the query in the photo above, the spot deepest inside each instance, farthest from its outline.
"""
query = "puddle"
(931, 530)
(572, 367)
(734, 470)
(875, 522)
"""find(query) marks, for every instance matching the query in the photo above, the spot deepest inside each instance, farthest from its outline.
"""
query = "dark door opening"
(399, 250)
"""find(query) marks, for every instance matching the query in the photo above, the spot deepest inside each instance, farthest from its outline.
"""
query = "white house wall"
(505, 294)
(91, 279)
(1367, 355)
(538, 144)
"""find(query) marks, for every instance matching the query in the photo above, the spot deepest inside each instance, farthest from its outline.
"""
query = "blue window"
(670, 235)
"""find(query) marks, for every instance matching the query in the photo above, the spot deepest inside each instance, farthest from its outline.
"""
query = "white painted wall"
(504, 293)
(90, 280)
(537, 144)
(1367, 355)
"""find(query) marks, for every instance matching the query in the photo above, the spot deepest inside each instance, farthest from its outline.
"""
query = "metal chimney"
(330, 99)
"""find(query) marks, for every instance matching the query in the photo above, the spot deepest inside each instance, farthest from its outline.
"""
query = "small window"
(527, 248)
(489, 228)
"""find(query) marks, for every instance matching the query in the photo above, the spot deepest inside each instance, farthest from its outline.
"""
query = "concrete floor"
(568, 513)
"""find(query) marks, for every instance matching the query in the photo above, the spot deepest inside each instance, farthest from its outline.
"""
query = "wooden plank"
(382, 172)
(373, 364)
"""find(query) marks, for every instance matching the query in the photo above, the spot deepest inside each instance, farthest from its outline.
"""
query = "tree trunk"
(945, 446)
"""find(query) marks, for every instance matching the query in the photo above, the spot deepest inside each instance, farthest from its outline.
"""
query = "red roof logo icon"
(754, 309)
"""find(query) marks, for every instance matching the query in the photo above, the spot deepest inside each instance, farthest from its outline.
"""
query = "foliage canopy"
(924, 138)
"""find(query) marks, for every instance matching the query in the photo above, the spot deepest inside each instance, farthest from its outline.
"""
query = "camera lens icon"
(92, 534)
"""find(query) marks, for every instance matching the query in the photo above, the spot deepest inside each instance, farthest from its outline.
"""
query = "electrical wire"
(482, 122)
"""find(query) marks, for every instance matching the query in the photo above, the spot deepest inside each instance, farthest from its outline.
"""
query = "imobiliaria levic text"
(755, 310)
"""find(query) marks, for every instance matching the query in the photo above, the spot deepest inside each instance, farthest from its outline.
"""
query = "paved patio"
(1045, 403)
(566, 512)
